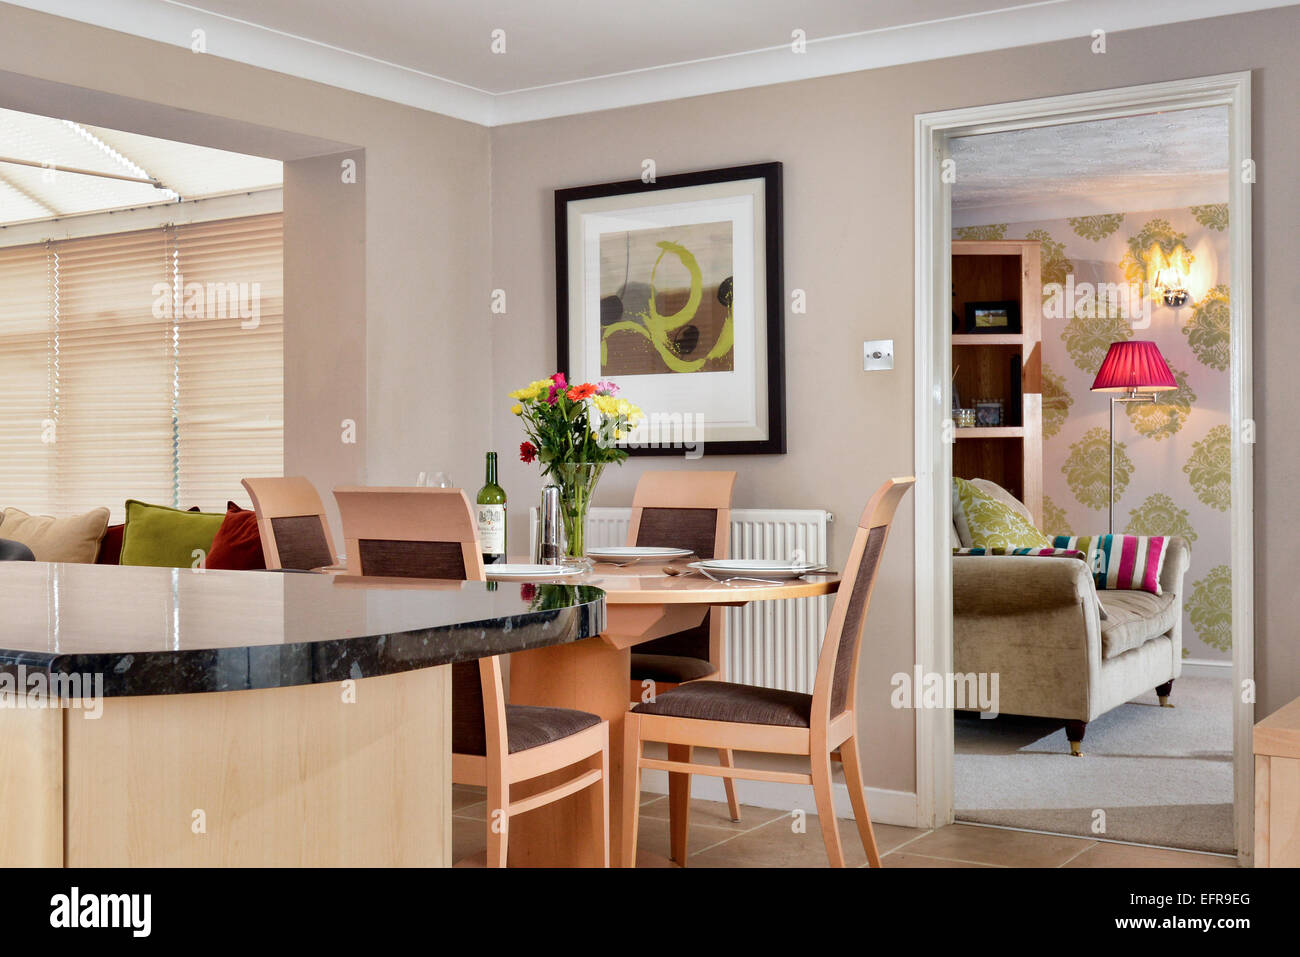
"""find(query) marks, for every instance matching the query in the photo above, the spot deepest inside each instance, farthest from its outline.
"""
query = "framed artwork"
(1003, 316)
(674, 289)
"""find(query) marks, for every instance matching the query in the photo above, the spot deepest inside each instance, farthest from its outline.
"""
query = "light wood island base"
(292, 776)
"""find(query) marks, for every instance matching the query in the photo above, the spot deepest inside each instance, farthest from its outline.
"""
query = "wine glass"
(435, 479)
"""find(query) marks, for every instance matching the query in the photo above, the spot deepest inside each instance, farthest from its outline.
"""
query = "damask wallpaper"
(1171, 458)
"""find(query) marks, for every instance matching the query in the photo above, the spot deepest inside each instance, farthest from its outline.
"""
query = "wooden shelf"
(992, 432)
(1000, 364)
(989, 339)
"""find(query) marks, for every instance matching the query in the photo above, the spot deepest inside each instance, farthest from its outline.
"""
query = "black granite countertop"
(150, 631)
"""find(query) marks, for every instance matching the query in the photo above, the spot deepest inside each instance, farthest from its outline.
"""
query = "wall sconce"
(1167, 274)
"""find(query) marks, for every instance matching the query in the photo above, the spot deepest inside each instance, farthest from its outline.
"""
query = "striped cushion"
(1122, 562)
(1037, 552)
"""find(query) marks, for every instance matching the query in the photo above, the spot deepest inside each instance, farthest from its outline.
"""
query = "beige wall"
(385, 282)
(846, 143)
(325, 293)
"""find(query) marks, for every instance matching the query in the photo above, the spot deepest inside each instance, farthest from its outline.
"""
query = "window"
(142, 365)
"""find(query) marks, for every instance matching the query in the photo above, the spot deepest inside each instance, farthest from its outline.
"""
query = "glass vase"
(577, 480)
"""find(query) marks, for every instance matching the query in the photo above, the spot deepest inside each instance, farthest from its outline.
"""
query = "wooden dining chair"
(823, 726)
(430, 533)
(684, 509)
(291, 521)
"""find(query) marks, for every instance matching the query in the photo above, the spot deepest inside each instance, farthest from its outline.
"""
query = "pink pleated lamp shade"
(1134, 366)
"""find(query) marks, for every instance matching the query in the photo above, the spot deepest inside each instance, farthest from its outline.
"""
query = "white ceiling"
(184, 171)
(572, 56)
(1168, 159)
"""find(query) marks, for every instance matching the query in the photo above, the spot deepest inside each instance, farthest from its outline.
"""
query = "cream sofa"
(1037, 623)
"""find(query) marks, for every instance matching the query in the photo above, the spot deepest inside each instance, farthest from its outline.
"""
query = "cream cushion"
(72, 539)
(1133, 618)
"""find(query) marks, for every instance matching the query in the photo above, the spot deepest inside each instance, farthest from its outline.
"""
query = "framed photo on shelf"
(674, 289)
(993, 317)
(988, 413)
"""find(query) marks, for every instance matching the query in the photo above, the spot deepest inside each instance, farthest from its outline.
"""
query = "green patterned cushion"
(984, 522)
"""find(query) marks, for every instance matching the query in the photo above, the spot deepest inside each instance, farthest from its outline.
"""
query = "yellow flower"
(517, 409)
(534, 390)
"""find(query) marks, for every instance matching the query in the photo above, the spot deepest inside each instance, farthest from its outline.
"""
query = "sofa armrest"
(1178, 557)
(1034, 622)
(1002, 584)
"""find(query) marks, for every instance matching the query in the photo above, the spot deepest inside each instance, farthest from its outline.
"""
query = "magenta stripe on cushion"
(1127, 558)
(1151, 578)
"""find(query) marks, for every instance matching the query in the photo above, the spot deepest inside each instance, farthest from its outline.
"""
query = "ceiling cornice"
(172, 22)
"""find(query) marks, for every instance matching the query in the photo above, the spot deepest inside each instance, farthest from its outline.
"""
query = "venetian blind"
(230, 396)
(126, 371)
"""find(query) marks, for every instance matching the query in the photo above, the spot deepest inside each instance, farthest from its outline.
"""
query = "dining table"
(643, 601)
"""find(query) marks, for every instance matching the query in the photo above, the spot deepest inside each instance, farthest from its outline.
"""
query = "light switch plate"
(877, 354)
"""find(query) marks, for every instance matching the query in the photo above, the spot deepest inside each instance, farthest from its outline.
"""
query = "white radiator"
(769, 643)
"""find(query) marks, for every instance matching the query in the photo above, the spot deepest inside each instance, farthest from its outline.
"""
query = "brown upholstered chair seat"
(527, 726)
(725, 701)
(673, 669)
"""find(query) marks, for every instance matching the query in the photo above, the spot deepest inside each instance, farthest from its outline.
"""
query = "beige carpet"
(1162, 776)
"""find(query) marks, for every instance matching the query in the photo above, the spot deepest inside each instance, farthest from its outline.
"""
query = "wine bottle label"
(491, 528)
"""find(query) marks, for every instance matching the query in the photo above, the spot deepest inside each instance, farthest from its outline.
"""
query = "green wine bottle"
(490, 513)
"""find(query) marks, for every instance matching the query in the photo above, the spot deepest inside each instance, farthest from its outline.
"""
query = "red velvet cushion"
(238, 544)
(110, 546)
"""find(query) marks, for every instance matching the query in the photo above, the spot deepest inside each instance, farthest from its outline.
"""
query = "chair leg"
(604, 796)
(631, 787)
(498, 826)
(852, 762)
(821, 775)
(726, 759)
(679, 803)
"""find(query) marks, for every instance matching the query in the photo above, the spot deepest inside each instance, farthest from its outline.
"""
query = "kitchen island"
(170, 717)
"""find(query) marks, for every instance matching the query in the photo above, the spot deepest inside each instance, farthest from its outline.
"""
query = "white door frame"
(933, 448)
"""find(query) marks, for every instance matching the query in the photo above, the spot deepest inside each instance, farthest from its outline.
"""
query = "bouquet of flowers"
(573, 430)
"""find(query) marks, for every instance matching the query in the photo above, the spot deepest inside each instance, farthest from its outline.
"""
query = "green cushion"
(166, 537)
(988, 523)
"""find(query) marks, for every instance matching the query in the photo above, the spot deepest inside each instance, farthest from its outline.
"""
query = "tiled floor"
(767, 838)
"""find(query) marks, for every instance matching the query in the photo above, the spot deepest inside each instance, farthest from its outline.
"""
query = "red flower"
(527, 452)
(528, 591)
(580, 392)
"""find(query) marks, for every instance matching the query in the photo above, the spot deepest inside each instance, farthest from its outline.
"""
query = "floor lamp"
(1135, 371)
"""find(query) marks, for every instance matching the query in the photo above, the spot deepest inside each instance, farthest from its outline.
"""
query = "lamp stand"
(1127, 397)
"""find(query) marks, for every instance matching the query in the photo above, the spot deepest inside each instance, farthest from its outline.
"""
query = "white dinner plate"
(636, 553)
(756, 568)
(507, 572)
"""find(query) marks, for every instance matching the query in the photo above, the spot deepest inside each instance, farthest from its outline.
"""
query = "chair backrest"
(836, 686)
(685, 509)
(410, 533)
(291, 521)
(430, 533)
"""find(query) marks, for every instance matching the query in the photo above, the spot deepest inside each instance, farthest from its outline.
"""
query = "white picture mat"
(733, 404)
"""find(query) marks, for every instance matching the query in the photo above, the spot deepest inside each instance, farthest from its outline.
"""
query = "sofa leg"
(1074, 731)
(1162, 692)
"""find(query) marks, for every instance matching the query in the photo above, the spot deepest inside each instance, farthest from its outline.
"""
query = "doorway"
(936, 138)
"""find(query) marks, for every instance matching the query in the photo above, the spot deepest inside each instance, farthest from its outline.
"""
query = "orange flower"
(579, 392)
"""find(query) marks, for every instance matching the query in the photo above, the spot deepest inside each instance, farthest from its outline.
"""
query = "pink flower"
(558, 385)
(605, 387)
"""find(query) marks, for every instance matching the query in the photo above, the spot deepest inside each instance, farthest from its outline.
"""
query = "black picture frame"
(773, 285)
(1010, 307)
